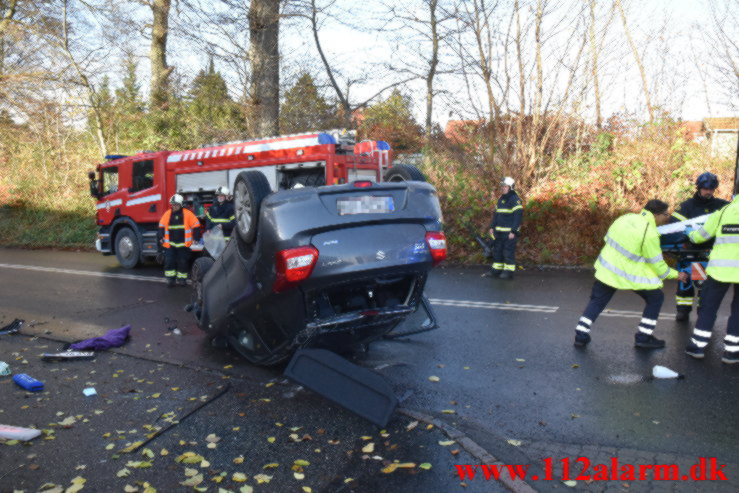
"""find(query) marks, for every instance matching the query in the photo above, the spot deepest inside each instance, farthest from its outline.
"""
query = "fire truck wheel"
(404, 172)
(250, 189)
(309, 179)
(127, 248)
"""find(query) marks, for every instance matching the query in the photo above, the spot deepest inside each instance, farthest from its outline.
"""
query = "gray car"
(333, 267)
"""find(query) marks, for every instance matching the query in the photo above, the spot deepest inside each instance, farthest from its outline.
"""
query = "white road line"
(628, 314)
(494, 306)
(83, 272)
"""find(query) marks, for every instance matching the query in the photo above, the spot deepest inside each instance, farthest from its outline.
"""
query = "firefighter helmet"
(177, 199)
(222, 190)
(508, 182)
(707, 180)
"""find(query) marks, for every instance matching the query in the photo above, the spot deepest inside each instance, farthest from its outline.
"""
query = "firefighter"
(723, 273)
(631, 259)
(221, 213)
(177, 229)
(703, 202)
(504, 229)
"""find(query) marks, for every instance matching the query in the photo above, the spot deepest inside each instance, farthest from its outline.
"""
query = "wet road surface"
(508, 378)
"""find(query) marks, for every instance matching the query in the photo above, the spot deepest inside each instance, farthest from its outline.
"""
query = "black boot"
(170, 282)
(682, 314)
(506, 274)
(647, 341)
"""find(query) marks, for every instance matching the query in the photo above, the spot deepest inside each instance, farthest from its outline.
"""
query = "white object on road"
(679, 227)
(16, 433)
(90, 391)
(663, 372)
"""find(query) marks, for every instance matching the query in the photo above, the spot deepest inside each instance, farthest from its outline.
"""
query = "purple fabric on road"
(112, 338)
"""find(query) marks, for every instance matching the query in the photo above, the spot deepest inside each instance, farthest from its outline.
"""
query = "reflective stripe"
(679, 216)
(648, 321)
(232, 218)
(700, 344)
(504, 211)
(177, 244)
(703, 233)
(654, 260)
(726, 239)
(144, 200)
(182, 275)
(702, 333)
(646, 331)
(219, 220)
(729, 338)
(664, 274)
(586, 320)
(176, 226)
(623, 251)
(501, 228)
(628, 277)
(517, 208)
(169, 273)
(498, 266)
(684, 303)
(509, 267)
(582, 328)
(731, 349)
(684, 298)
(723, 263)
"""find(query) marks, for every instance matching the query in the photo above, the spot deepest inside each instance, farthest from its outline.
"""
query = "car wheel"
(404, 172)
(199, 268)
(316, 179)
(250, 189)
(127, 248)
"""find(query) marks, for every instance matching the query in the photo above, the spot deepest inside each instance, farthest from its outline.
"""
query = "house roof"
(725, 123)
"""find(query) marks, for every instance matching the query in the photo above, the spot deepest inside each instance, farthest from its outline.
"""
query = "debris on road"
(4, 369)
(28, 382)
(664, 372)
(8, 432)
(89, 391)
(112, 338)
(12, 328)
(68, 355)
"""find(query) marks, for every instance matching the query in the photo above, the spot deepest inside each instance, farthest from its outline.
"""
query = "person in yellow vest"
(177, 229)
(631, 259)
(723, 273)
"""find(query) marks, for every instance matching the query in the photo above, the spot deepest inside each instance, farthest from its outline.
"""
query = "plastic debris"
(89, 391)
(112, 338)
(68, 355)
(664, 372)
(177, 332)
(4, 369)
(17, 433)
(12, 327)
(28, 382)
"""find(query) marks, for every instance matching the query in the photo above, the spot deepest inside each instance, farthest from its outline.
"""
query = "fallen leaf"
(447, 411)
(164, 452)
(69, 421)
(193, 481)
(190, 458)
(246, 489)
(263, 478)
(130, 489)
(571, 483)
(271, 439)
(212, 438)
(301, 463)
(110, 446)
(123, 473)
(411, 425)
(520, 360)
(307, 489)
(148, 453)
(434, 378)
(446, 443)
(205, 464)
(239, 477)
(369, 448)
(190, 472)
(271, 465)
(156, 396)
(425, 466)
(299, 476)
(239, 460)
(515, 443)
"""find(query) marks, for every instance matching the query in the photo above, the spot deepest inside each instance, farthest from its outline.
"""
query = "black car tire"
(404, 172)
(250, 189)
(312, 179)
(199, 268)
(127, 248)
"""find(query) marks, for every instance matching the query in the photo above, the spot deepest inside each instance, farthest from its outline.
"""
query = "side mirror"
(94, 189)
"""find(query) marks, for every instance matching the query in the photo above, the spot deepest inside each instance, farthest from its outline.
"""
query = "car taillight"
(437, 244)
(363, 184)
(293, 265)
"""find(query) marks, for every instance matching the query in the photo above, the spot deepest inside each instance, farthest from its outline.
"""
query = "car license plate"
(367, 204)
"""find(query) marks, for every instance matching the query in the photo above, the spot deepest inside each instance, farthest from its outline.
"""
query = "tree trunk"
(264, 53)
(521, 85)
(482, 28)
(594, 66)
(637, 58)
(160, 72)
(432, 70)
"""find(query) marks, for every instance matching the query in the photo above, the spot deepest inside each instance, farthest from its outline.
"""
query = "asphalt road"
(508, 376)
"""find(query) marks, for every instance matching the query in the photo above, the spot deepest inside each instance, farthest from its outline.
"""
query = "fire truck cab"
(133, 192)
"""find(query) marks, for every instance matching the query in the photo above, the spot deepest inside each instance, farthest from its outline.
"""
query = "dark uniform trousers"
(504, 252)
(176, 262)
(712, 294)
(602, 294)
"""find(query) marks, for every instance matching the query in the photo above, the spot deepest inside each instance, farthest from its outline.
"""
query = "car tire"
(199, 268)
(250, 188)
(127, 248)
(404, 172)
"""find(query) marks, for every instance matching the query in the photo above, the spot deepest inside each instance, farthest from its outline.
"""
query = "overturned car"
(333, 267)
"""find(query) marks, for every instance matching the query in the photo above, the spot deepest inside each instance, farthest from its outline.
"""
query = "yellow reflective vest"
(723, 263)
(632, 257)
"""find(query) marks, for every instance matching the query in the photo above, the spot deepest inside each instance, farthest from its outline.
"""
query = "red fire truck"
(132, 192)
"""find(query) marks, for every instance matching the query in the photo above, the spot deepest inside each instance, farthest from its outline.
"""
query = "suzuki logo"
(380, 255)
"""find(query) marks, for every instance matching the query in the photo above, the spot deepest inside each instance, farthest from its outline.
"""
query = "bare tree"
(264, 54)
(637, 59)
(160, 71)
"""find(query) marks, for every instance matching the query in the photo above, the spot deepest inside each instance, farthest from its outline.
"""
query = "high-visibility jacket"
(723, 263)
(223, 214)
(188, 225)
(508, 214)
(632, 257)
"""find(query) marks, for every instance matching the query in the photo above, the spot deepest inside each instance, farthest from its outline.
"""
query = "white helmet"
(508, 182)
(177, 199)
(222, 190)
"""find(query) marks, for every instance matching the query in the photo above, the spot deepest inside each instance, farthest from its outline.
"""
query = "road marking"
(494, 306)
(83, 273)
(630, 314)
